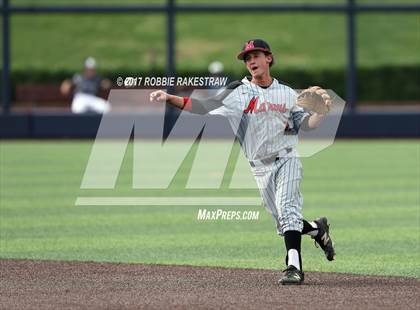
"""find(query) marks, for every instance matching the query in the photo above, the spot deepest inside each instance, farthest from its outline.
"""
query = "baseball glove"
(314, 99)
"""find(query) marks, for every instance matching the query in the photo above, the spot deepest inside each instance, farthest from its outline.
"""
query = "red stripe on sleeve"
(187, 104)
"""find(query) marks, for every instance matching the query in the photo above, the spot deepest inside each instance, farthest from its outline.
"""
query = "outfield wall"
(39, 126)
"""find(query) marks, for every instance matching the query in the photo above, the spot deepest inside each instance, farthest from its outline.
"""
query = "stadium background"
(368, 187)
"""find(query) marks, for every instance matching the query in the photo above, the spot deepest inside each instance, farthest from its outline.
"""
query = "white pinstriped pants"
(279, 186)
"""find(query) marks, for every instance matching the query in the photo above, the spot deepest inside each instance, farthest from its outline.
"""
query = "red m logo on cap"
(249, 45)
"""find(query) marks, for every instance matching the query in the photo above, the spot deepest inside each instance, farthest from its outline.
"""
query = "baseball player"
(266, 117)
(85, 88)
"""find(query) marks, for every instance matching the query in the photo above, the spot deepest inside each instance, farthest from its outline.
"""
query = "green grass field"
(369, 189)
(137, 41)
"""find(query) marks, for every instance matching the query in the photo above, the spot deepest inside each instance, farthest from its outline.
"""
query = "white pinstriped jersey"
(266, 120)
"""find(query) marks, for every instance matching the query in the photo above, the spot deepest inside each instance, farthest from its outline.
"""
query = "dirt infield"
(28, 284)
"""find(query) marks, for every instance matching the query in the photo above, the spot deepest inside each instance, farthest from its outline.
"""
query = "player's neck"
(263, 80)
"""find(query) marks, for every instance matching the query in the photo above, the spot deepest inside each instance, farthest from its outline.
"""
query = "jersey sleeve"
(214, 104)
(228, 105)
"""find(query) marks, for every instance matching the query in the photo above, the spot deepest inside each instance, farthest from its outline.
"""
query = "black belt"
(268, 160)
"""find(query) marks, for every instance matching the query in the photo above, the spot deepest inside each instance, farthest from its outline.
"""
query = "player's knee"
(290, 222)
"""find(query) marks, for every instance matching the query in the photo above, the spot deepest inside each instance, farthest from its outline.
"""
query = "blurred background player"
(86, 88)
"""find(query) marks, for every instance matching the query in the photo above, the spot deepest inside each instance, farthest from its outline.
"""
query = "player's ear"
(269, 59)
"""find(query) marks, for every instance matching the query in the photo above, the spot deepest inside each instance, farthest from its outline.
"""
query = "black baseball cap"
(254, 45)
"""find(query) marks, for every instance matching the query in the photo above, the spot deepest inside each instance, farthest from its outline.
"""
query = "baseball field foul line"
(168, 201)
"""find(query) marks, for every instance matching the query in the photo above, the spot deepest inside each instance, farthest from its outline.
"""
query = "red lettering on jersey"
(278, 107)
(262, 108)
(254, 108)
(251, 105)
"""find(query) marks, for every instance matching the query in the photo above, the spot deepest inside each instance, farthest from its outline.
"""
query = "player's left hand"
(315, 99)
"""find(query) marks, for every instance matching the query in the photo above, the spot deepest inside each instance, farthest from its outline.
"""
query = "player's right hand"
(159, 96)
(65, 87)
